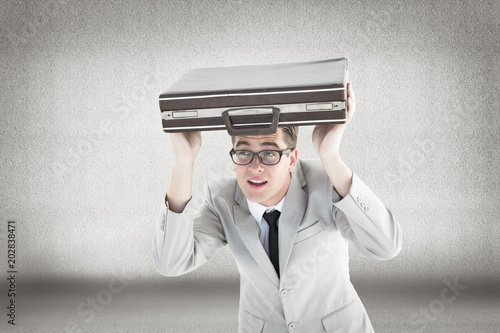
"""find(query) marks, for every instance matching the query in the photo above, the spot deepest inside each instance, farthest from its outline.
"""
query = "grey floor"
(214, 309)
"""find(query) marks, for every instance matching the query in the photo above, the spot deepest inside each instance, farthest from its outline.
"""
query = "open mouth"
(257, 183)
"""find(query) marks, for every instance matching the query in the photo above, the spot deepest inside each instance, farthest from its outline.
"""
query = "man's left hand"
(326, 138)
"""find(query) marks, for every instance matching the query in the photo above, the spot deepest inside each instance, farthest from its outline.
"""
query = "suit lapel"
(249, 233)
(291, 216)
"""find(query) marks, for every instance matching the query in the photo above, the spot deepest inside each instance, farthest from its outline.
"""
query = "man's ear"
(294, 156)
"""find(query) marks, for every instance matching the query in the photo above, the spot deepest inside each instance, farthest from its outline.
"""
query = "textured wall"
(85, 163)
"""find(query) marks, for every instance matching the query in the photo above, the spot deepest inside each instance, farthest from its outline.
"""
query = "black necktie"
(271, 219)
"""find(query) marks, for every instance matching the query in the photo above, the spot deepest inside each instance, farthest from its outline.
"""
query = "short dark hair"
(290, 134)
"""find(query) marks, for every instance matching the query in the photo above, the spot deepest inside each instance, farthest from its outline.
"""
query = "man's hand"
(186, 147)
(326, 140)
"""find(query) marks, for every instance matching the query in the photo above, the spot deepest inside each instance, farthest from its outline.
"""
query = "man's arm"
(360, 216)
(186, 147)
(185, 237)
(185, 241)
(363, 219)
(326, 141)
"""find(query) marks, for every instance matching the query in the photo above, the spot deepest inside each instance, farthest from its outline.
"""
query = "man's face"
(264, 184)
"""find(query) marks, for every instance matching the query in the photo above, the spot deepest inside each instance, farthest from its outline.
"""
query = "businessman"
(287, 222)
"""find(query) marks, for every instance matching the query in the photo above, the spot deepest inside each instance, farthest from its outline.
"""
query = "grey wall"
(85, 163)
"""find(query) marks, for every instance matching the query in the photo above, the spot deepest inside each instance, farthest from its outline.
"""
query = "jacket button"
(284, 292)
(291, 326)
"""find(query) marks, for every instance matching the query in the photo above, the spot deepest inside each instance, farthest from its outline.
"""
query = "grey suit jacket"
(314, 293)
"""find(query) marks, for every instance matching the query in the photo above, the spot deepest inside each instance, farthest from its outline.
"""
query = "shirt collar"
(257, 210)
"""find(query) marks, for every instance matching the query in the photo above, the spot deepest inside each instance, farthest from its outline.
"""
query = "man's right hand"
(186, 147)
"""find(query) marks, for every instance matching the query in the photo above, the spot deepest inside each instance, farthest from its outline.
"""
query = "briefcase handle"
(251, 128)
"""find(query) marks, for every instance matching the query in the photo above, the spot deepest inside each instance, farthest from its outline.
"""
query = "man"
(294, 272)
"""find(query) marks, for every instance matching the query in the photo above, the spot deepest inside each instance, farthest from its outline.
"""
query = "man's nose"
(256, 164)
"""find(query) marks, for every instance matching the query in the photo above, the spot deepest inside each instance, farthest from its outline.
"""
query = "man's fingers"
(351, 104)
(350, 91)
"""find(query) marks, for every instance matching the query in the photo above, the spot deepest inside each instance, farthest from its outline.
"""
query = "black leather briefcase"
(252, 100)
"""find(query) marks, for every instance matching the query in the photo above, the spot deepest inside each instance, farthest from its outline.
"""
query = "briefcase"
(253, 100)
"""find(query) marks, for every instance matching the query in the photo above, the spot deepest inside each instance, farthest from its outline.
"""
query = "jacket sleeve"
(363, 219)
(182, 242)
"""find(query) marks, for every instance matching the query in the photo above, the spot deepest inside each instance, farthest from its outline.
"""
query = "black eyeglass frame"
(232, 152)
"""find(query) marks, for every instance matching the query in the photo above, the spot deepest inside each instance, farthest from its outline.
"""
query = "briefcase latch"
(251, 121)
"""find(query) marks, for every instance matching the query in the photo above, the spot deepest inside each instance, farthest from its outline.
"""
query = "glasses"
(266, 157)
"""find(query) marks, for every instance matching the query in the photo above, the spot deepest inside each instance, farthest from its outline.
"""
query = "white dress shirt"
(257, 210)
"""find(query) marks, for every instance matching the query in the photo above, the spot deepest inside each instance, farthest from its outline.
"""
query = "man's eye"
(243, 153)
(269, 154)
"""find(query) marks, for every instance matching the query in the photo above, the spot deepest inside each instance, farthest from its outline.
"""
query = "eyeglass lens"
(266, 157)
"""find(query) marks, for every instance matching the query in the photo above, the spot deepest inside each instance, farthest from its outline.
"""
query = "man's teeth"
(257, 181)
